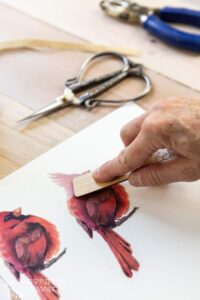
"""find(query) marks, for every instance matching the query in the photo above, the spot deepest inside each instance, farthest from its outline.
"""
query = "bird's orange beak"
(17, 212)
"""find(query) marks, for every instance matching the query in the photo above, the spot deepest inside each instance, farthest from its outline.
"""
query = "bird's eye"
(7, 218)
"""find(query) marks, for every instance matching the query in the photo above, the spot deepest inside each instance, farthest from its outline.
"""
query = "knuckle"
(123, 159)
(150, 125)
(167, 104)
(158, 105)
(169, 125)
(171, 100)
(158, 123)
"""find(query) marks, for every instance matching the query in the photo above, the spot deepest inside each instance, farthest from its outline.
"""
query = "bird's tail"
(45, 288)
(121, 249)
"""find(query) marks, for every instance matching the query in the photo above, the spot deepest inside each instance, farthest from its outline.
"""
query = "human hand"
(173, 124)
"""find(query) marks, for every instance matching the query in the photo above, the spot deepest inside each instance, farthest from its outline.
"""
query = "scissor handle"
(101, 89)
(77, 85)
(135, 70)
(167, 33)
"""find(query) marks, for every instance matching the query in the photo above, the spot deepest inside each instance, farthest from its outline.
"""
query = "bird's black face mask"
(11, 216)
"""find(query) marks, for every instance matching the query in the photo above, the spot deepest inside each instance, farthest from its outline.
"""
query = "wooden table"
(30, 79)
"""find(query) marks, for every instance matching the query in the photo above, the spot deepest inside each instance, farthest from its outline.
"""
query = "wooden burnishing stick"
(85, 183)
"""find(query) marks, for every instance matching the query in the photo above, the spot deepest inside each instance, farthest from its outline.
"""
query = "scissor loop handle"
(91, 103)
(76, 84)
(105, 82)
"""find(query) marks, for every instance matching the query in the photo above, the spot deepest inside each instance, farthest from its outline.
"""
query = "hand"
(173, 124)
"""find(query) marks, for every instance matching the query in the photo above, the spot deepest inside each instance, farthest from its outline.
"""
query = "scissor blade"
(56, 105)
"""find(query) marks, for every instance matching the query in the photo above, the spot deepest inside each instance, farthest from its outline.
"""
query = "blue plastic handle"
(171, 35)
(180, 15)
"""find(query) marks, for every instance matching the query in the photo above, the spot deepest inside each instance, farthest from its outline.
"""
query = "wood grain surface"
(96, 27)
(30, 79)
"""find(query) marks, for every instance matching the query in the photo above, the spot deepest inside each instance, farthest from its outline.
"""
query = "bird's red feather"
(100, 211)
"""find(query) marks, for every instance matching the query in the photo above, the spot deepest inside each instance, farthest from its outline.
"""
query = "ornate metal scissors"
(155, 21)
(98, 86)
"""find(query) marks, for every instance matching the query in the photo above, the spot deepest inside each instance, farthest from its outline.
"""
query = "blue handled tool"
(156, 21)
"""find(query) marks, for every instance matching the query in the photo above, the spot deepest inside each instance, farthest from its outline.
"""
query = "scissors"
(156, 21)
(98, 86)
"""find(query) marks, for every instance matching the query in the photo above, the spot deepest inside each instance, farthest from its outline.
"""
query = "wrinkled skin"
(173, 124)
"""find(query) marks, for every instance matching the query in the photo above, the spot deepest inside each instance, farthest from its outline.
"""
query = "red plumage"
(102, 211)
(27, 243)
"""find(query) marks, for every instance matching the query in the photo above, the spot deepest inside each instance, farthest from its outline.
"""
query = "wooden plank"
(44, 130)
(181, 66)
(18, 143)
(7, 166)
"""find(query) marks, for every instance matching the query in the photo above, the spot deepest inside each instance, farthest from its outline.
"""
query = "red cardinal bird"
(101, 211)
(27, 243)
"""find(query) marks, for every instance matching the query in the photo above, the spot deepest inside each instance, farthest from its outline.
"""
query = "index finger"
(128, 160)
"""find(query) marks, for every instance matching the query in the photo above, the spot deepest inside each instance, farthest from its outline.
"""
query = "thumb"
(178, 169)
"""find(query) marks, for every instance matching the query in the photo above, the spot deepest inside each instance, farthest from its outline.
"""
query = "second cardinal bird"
(102, 211)
(27, 243)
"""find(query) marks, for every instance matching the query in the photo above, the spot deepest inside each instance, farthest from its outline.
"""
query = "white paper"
(164, 232)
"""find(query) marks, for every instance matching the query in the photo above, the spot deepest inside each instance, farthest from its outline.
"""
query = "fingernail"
(96, 173)
(136, 180)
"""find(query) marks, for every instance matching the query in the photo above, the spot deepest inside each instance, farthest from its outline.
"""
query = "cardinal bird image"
(27, 245)
(102, 211)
